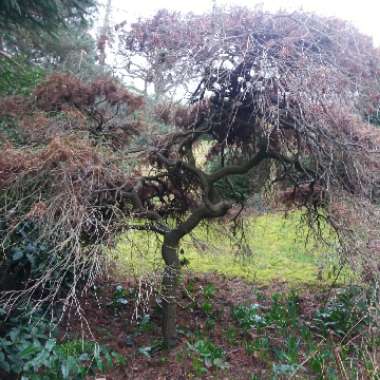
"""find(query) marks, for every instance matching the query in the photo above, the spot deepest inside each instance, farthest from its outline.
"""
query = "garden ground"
(275, 312)
(229, 329)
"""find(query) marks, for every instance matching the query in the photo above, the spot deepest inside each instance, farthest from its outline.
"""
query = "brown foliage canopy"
(64, 104)
(298, 86)
(166, 50)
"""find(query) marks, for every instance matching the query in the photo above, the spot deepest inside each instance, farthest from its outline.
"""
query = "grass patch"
(270, 247)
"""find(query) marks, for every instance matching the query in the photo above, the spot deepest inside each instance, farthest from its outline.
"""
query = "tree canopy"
(41, 14)
(25, 24)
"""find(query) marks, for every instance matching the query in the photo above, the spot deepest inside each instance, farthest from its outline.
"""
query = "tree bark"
(172, 266)
(169, 289)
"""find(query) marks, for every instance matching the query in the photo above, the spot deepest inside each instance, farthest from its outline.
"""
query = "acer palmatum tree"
(293, 90)
(60, 177)
(163, 53)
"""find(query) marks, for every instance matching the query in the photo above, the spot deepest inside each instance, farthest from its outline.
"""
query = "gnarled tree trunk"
(169, 285)
(172, 266)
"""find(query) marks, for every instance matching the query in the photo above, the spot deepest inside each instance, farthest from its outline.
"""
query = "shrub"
(209, 353)
(249, 316)
(18, 77)
(345, 314)
(30, 349)
(28, 258)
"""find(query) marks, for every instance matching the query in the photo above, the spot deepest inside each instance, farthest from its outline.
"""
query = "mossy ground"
(270, 247)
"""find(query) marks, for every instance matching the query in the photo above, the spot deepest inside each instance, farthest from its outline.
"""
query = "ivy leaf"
(50, 344)
(146, 351)
(4, 363)
(65, 371)
(122, 301)
(17, 255)
(28, 351)
(84, 357)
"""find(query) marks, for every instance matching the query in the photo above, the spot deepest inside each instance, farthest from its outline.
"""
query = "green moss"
(280, 249)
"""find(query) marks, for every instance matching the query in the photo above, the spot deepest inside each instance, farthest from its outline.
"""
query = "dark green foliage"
(145, 324)
(209, 291)
(283, 370)
(207, 306)
(42, 14)
(232, 335)
(71, 50)
(208, 355)
(345, 314)
(75, 52)
(248, 316)
(119, 297)
(50, 33)
(290, 352)
(18, 77)
(285, 338)
(30, 349)
(10, 132)
(23, 256)
(26, 344)
(319, 360)
(283, 312)
(375, 118)
(27, 257)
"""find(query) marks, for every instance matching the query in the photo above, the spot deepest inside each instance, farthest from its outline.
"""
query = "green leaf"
(13, 334)
(84, 357)
(146, 351)
(31, 349)
(4, 363)
(50, 344)
(65, 370)
(122, 301)
(17, 255)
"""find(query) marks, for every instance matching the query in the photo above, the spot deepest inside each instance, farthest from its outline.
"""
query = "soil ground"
(116, 327)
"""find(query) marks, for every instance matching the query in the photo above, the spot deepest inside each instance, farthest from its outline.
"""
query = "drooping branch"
(239, 169)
